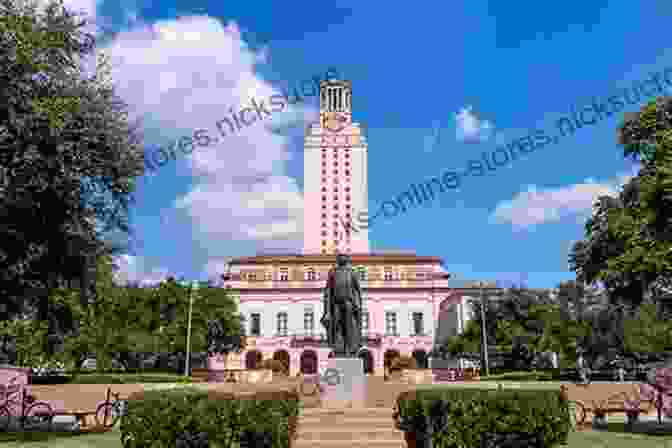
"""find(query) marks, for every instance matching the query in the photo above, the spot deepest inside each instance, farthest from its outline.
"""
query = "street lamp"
(192, 287)
(484, 333)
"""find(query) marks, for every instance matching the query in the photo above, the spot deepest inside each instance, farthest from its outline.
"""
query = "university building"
(408, 303)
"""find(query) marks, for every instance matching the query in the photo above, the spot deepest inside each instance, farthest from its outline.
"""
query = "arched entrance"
(420, 358)
(308, 362)
(283, 357)
(253, 359)
(389, 356)
(367, 357)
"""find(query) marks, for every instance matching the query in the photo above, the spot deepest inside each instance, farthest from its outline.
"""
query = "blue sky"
(478, 73)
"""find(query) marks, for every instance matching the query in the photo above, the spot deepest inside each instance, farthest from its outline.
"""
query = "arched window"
(282, 323)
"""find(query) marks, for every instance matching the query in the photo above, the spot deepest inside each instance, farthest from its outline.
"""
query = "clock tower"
(335, 177)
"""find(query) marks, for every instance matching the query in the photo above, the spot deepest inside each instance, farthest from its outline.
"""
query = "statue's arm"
(357, 288)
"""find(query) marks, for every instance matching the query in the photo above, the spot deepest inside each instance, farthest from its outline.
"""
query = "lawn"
(616, 438)
(583, 439)
(111, 439)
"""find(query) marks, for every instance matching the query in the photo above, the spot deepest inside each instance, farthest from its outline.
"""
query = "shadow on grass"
(649, 428)
(35, 436)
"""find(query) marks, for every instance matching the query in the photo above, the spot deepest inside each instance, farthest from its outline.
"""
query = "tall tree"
(68, 155)
(628, 240)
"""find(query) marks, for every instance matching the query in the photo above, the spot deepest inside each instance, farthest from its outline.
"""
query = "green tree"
(647, 333)
(208, 303)
(628, 240)
(69, 156)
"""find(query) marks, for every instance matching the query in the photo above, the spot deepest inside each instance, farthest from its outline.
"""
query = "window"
(310, 274)
(268, 275)
(363, 275)
(282, 324)
(388, 274)
(417, 324)
(255, 324)
(419, 275)
(365, 322)
(284, 275)
(324, 233)
(324, 243)
(391, 323)
(309, 321)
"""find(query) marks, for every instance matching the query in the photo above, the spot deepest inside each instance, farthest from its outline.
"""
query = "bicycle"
(109, 412)
(35, 415)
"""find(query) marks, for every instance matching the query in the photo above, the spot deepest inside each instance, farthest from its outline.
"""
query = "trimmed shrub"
(192, 417)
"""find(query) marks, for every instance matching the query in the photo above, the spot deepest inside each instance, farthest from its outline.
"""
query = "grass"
(617, 437)
(111, 439)
(583, 439)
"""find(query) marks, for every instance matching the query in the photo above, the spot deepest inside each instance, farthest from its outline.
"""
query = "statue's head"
(342, 260)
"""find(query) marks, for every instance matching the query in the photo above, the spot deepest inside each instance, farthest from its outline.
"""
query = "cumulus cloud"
(186, 74)
(470, 128)
(535, 206)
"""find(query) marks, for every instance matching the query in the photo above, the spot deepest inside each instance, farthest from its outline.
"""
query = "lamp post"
(192, 286)
(484, 332)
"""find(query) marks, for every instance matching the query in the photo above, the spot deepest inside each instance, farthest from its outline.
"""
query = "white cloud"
(470, 128)
(532, 207)
(186, 74)
(134, 269)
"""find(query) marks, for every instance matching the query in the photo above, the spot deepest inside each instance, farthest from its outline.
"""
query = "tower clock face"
(335, 122)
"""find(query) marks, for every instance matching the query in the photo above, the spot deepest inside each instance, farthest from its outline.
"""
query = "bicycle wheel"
(5, 419)
(38, 417)
(107, 415)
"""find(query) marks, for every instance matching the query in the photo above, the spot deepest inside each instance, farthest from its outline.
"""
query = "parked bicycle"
(109, 412)
(35, 415)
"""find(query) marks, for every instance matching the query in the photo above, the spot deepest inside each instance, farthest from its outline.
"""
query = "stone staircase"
(348, 428)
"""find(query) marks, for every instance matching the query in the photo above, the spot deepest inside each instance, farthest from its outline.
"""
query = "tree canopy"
(628, 239)
(68, 153)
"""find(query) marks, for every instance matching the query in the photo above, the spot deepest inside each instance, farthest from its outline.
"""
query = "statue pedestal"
(344, 385)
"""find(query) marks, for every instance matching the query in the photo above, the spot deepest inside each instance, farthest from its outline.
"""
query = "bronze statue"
(343, 309)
